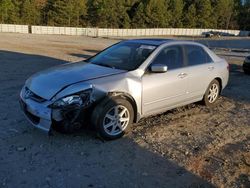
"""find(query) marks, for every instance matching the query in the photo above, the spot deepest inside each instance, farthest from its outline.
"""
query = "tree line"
(220, 14)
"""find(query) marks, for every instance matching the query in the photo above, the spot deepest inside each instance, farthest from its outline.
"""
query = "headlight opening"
(79, 99)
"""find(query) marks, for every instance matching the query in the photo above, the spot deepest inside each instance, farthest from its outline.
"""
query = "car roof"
(151, 41)
(160, 41)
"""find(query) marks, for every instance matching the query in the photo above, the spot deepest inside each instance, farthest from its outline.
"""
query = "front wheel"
(212, 93)
(113, 117)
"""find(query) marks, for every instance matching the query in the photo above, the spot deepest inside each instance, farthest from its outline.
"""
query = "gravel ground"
(192, 146)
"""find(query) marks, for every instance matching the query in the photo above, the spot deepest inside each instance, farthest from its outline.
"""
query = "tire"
(113, 117)
(212, 93)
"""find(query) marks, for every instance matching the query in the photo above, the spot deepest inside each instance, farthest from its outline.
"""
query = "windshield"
(124, 55)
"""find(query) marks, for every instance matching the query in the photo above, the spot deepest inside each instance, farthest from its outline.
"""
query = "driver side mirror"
(158, 68)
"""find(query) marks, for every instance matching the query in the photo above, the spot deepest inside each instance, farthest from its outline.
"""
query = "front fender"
(76, 88)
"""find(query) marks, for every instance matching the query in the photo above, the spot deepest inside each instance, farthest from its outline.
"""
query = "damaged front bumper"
(44, 115)
(38, 114)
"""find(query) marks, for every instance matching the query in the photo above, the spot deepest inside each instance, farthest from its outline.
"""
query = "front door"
(165, 90)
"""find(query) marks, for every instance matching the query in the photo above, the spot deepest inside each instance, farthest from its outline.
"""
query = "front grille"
(38, 98)
(33, 96)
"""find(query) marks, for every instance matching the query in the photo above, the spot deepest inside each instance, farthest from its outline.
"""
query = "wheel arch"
(130, 99)
(220, 82)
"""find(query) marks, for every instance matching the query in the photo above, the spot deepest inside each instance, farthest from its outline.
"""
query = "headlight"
(70, 100)
(79, 99)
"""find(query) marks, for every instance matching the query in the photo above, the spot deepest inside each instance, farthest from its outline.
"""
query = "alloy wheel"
(116, 120)
(213, 93)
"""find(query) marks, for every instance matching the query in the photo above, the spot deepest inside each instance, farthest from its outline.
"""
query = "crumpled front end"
(70, 113)
(67, 111)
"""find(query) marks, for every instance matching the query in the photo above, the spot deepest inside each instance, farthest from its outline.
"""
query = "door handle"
(182, 75)
(211, 68)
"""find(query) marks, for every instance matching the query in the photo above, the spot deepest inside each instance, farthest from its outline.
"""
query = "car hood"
(49, 82)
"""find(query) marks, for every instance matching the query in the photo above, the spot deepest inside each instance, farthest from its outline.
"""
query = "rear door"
(164, 90)
(200, 68)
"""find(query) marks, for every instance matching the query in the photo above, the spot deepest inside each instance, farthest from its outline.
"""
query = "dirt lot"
(191, 146)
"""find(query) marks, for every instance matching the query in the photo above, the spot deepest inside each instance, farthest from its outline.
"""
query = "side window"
(171, 56)
(196, 55)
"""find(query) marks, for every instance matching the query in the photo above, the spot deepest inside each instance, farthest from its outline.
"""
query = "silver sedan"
(122, 84)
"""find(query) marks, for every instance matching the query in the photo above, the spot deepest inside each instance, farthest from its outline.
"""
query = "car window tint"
(120, 52)
(196, 55)
(124, 55)
(170, 56)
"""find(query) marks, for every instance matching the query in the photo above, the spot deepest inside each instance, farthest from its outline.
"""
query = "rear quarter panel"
(222, 71)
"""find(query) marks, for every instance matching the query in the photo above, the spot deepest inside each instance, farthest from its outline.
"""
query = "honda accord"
(122, 84)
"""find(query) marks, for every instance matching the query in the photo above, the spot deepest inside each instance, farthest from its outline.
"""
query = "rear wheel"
(212, 93)
(113, 117)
